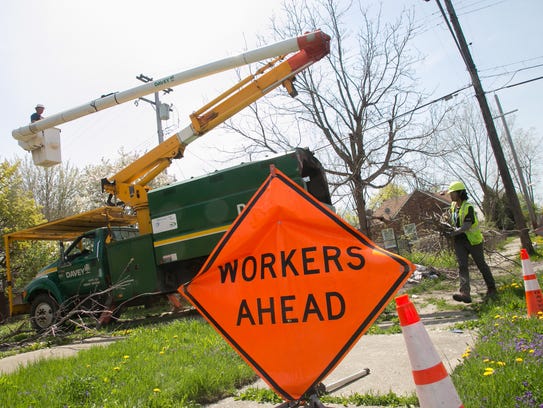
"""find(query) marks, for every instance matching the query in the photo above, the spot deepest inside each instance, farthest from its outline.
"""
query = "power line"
(435, 18)
(517, 84)
(478, 9)
(513, 72)
(511, 63)
(446, 97)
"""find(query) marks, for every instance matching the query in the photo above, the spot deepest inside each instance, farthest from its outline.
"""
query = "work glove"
(453, 232)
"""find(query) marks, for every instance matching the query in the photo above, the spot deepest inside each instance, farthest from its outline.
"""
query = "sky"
(66, 53)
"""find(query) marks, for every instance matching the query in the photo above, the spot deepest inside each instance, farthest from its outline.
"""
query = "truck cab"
(80, 270)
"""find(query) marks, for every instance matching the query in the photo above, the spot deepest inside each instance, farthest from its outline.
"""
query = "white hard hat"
(39, 105)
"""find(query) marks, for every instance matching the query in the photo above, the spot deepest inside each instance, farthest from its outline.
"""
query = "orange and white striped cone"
(433, 384)
(534, 297)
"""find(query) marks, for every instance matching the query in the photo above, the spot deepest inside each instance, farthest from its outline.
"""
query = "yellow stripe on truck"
(181, 238)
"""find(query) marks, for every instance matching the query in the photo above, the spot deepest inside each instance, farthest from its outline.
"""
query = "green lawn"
(180, 364)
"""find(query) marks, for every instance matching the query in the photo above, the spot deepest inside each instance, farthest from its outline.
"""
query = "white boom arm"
(108, 101)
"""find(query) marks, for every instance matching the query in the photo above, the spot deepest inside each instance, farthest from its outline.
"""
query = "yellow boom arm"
(130, 185)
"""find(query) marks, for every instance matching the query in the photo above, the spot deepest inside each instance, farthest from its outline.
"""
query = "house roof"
(390, 208)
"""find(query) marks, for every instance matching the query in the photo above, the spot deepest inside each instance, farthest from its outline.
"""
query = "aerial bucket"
(45, 147)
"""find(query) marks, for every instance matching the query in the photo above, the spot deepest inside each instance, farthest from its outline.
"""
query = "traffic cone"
(534, 297)
(433, 384)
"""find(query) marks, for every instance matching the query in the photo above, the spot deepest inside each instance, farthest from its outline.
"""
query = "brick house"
(408, 217)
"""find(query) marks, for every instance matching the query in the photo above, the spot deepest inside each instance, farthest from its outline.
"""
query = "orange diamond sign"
(292, 287)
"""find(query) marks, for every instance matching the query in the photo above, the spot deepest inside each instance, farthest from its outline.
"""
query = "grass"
(505, 366)
(186, 364)
(181, 364)
(442, 259)
(387, 400)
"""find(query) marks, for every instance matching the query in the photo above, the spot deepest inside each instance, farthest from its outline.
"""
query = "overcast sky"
(65, 53)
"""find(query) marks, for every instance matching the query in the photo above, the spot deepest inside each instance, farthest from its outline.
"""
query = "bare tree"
(56, 189)
(469, 154)
(359, 106)
(526, 144)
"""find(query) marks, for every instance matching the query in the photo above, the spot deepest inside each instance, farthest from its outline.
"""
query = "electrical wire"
(442, 98)
(517, 84)
(511, 63)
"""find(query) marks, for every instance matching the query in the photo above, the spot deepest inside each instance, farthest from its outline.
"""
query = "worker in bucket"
(468, 240)
(38, 114)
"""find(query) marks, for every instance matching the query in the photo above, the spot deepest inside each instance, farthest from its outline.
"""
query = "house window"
(410, 231)
(389, 238)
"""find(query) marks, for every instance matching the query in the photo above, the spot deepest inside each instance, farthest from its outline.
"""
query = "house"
(408, 217)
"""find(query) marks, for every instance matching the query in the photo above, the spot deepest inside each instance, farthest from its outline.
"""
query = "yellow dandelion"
(531, 351)
(519, 360)
(497, 316)
(161, 352)
(116, 368)
(175, 336)
(540, 313)
(88, 366)
(488, 371)
(500, 363)
(496, 324)
(126, 357)
(156, 389)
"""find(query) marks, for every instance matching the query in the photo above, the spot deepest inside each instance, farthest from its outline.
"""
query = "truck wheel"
(43, 312)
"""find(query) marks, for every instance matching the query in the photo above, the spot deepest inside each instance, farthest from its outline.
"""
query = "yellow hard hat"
(456, 186)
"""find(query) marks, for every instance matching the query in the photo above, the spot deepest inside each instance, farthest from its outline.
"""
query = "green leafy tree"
(18, 210)
(386, 193)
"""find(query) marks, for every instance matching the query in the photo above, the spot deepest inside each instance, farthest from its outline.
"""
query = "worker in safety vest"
(468, 240)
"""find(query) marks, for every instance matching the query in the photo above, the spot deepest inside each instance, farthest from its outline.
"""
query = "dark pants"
(463, 249)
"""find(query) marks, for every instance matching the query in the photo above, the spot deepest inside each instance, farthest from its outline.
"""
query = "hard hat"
(39, 105)
(456, 186)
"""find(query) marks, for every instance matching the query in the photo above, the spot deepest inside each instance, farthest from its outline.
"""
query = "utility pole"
(156, 102)
(490, 128)
(522, 182)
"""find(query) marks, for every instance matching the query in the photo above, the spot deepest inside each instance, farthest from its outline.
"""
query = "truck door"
(80, 271)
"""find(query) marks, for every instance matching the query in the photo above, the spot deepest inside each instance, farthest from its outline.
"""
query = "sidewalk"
(386, 358)
(12, 363)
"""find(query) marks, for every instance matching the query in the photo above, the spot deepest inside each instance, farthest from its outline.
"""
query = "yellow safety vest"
(473, 234)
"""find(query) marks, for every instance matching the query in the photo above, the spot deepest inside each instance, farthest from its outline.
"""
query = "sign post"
(292, 287)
